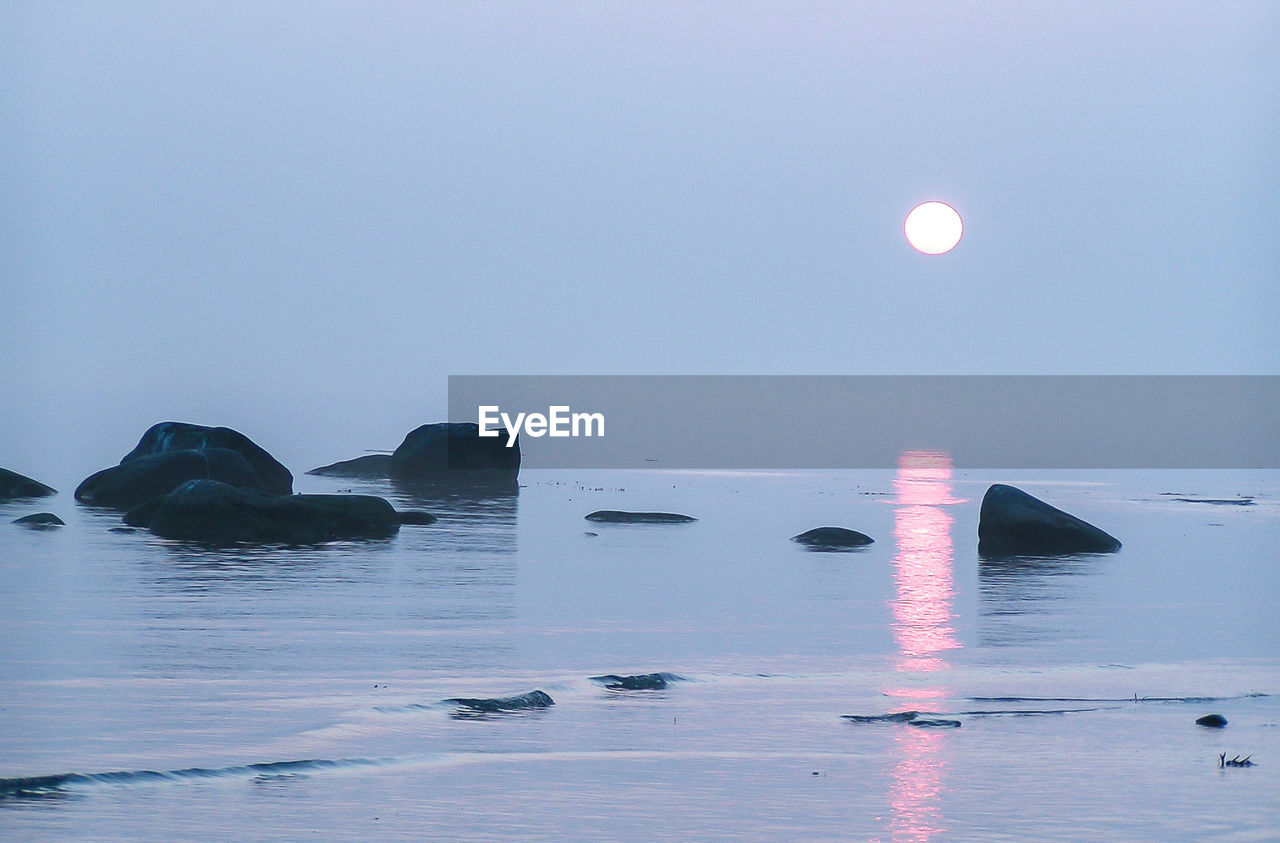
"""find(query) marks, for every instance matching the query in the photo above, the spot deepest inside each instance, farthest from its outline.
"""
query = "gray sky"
(297, 219)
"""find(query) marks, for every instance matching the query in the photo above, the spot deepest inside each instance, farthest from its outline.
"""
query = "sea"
(159, 689)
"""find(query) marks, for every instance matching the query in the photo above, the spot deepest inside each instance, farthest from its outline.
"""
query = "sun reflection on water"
(922, 626)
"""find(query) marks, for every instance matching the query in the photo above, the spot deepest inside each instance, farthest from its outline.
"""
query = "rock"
(896, 717)
(181, 436)
(911, 718)
(15, 485)
(436, 448)
(416, 517)
(1216, 721)
(1012, 523)
(613, 516)
(132, 483)
(533, 699)
(1219, 501)
(371, 467)
(447, 453)
(170, 453)
(636, 682)
(40, 520)
(217, 513)
(832, 538)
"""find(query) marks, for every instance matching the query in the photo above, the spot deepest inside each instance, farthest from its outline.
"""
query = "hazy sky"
(298, 218)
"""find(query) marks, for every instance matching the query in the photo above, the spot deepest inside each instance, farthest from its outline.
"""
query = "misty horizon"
(300, 224)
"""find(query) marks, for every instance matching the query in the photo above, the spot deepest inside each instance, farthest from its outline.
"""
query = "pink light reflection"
(917, 782)
(922, 610)
(922, 615)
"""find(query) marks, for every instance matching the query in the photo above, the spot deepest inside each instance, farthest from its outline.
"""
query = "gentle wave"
(1134, 698)
(43, 785)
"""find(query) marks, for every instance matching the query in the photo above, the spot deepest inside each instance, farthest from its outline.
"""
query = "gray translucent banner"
(780, 422)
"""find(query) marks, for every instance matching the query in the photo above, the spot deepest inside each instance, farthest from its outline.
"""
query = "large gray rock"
(139, 480)
(170, 453)
(446, 453)
(181, 436)
(1013, 523)
(213, 512)
(15, 485)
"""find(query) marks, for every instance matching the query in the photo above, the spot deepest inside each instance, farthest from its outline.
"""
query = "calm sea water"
(291, 692)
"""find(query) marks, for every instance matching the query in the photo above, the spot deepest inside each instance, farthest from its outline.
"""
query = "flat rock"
(15, 485)
(1013, 523)
(368, 467)
(217, 513)
(832, 538)
(613, 516)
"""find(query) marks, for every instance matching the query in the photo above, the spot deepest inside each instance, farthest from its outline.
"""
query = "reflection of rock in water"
(1020, 597)
(469, 518)
(436, 596)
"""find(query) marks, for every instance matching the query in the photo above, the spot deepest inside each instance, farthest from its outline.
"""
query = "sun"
(933, 228)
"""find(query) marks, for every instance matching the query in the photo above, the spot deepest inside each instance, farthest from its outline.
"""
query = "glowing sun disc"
(933, 228)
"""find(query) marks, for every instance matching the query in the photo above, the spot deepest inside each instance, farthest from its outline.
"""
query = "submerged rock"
(1216, 721)
(911, 718)
(636, 682)
(832, 538)
(40, 520)
(1012, 523)
(447, 453)
(533, 699)
(416, 517)
(15, 485)
(896, 717)
(214, 512)
(170, 453)
(1219, 501)
(613, 516)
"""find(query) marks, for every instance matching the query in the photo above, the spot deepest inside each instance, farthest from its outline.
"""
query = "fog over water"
(299, 220)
